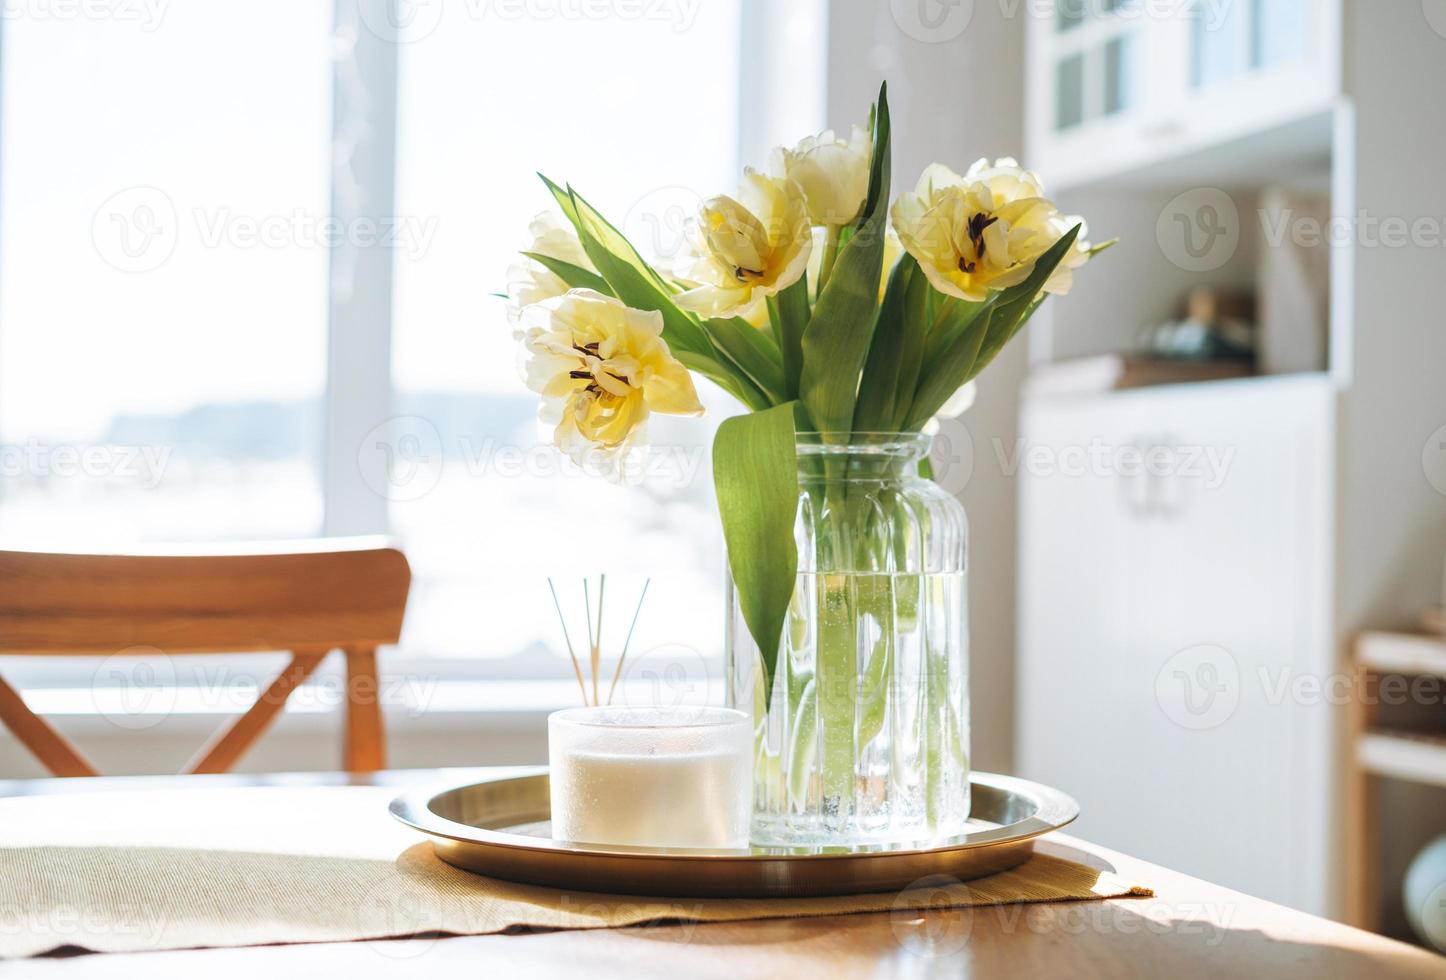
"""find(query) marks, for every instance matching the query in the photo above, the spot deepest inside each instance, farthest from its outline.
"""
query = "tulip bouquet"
(800, 301)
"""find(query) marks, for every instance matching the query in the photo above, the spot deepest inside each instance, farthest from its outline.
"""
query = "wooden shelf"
(1402, 653)
(1403, 755)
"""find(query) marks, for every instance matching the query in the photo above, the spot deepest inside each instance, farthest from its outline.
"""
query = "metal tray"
(500, 827)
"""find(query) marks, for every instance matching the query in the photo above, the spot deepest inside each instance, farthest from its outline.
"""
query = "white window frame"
(783, 74)
(783, 91)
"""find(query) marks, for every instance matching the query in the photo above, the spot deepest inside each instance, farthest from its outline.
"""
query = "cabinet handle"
(1146, 494)
(1134, 488)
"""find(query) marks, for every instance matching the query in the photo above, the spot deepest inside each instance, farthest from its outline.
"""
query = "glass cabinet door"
(1094, 60)
(1228, 40)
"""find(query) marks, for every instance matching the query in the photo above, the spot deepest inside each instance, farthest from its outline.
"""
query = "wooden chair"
(307, 599)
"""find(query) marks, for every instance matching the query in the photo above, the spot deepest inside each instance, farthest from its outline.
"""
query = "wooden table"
(1191, 929)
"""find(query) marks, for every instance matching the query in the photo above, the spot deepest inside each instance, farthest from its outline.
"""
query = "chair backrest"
(308, 598)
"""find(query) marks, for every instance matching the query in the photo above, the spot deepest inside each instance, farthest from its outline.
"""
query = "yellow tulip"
(529, 281)
(747, 249)
(602, 368)
(983, 231)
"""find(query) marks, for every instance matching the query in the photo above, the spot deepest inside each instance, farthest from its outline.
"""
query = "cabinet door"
(1182, 715)
(1091, 85)
(1114, 85)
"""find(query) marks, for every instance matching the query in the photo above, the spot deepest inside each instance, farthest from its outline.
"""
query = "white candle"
(651, 777)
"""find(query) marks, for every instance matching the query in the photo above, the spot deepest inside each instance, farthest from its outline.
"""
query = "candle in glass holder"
(651, 777)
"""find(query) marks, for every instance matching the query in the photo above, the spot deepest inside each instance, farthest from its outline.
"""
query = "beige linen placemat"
(123, 872)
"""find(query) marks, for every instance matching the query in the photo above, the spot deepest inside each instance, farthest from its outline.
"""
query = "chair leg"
(226, 748)
(52, 749)
(366, 749)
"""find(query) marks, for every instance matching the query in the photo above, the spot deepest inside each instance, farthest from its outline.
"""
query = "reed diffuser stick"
(618, 670)
(594, 639)
(576, 668)
(602, 581)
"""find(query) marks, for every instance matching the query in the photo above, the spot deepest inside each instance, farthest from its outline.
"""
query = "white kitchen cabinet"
(1166, 617)
(1114, 86)
(1285, 563)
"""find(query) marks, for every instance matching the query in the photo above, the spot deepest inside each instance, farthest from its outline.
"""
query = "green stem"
(837, 673)
(830, 256)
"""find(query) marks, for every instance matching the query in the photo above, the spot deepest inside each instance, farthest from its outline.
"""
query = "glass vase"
(865, 738)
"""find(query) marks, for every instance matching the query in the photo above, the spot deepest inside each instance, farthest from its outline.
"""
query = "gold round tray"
(500, 828)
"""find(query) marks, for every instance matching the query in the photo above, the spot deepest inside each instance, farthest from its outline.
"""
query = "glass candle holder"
(651, 777)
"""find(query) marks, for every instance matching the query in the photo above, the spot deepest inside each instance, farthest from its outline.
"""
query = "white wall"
(956, 93)
(1393, 519)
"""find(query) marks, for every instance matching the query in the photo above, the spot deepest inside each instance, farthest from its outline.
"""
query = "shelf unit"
(1325, 526)
(1375, 751)
(1198, 113)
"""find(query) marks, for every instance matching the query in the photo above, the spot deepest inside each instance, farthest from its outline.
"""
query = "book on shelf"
(1112, 372)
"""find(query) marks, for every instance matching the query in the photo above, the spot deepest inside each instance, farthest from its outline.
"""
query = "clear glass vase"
(866, 736)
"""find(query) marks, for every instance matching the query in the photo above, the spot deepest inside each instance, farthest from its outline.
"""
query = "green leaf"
(1018, 303)
(725, 378)
(756, 477)
(897, 349)
(575, 276)
(605, 236)
(952, 316)
(788, 311)
(836, 341)
(564, 201)
(947, 372)
(752, 351)
(985, 336)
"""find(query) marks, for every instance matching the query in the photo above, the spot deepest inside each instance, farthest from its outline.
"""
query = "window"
(162, 294)
(503, 514)
(170, 346)
(1069, 92)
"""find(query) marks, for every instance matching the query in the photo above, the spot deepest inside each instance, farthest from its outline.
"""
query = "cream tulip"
(983, 231)
(746, 249)
(529, 281)
(832, 173)
(602, 368)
